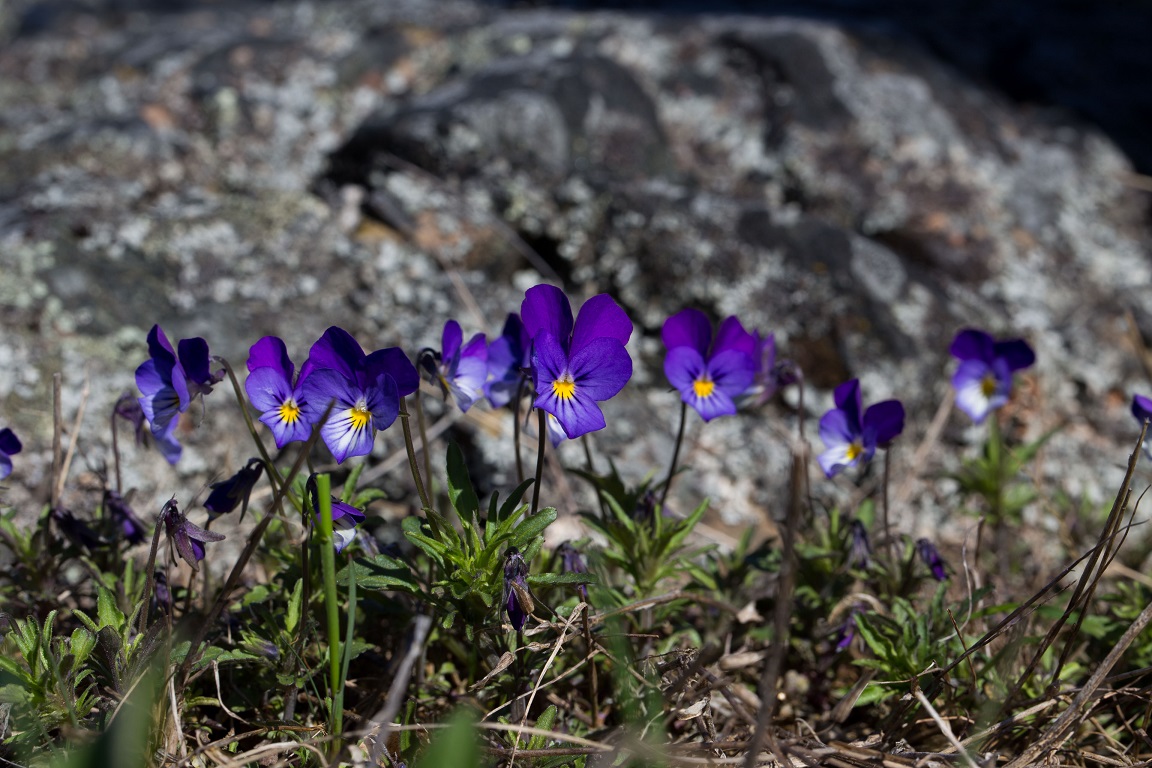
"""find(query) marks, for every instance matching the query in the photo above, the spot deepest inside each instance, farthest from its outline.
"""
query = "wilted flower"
(169, 382)
(709, 373)
(120, 512)
(459, 368)
(573, 562)
(128, 408)
(9, 446)
(228, 494)
(931, 557)
(366, 390)
(859, 549)
(983, 381)
(517, 600)
(576, 365)
(188, 538)
(273, 392)
(852, 438)
(509, 357)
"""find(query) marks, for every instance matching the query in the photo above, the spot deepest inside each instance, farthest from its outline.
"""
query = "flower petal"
(600, 317)
(848, 400)
(546, 308)
(732, 335)
(270, 352)
(683, 365)
(883, 422)
(337, 350)
(687, 328)
(968, 381)
(971, 344)
(718, 403)
(600, 368)
(394, 362)
(732, 371)
(1016, 353)
(194, 359)
(450, 340)
(1141, 409)
(837, 430)
(9, 443)
(267, 388)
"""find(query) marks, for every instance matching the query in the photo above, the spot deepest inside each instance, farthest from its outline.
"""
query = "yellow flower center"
(703, 387)
(359, 416)
(564, 388)
(289, 411)
(853, 451)
(988, 385)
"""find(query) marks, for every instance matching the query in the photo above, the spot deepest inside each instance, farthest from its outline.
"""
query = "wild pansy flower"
(517, 601)
(188, 538)
(228, 494)
(459, 368)
(9, 446)
(931, 557)
(169, 382)
(345, 519)
(1142, 410)
(576, 365)
(709, 373)
(128, 408)
(365, 389)
(851, 437)
(272, 391)
(983, 381)
(120, 512)
(509, 356)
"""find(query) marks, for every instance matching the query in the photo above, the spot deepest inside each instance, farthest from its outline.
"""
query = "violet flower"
(121, 514)
(10, 445)
(228, 494)
(983, 381)
(1142, 410)
(345, 517)
(365, 389)
(461, 369)
(509, 356)
(273, 392)
(576, 365)
(169, 382)
(516, 588)
(128, 408)
(709, 373)
(851, 437)
(188, 538)
(571, 561)
(931, 557)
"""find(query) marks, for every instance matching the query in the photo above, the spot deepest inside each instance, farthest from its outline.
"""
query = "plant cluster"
(469, 641)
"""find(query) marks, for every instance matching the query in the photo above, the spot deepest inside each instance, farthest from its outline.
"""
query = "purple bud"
(859, 549)
(228, 494)
(120, 512)
(573, 562)
(931, 557)
(516, 588)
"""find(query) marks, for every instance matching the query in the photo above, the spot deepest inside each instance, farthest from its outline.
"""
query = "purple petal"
(765, 356)
(732, 371)
(337, 350)
(1141, 409)
(556, 434)
(346, 434)
(848, 400)
(600, 317)
(600, 368)
(5, 465)
(548, 359)
(732, 335)
(835, 459)
(687, 328)
(837, 430)
(159, 348)
(396, 364)
(9, 443)
(968, 381)
(324, 386)
(282, 408)
(383, 401)
(194, 359)
(1016, 353)
(167, 443)
(270, 352)
(267, 388)
(450, 340)
(467, 385)
(546, 308)
(971, 344)
(883, 422)
(717, 403)
(683, 366)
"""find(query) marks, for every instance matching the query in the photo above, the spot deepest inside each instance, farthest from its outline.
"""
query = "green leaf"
(460, 490)
(350, 484)
(455, 746)
(381, 573)
(294, 606)
(546, 722)
(532, 526)
(552, 579)
(509, 508)
(107, 613)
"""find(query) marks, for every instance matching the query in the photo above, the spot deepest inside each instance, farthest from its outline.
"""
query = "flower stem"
(423, 440)
(273, 473)
(541, 438)
(332, 609)
(516, 429)
(675, 453)
(424, 500)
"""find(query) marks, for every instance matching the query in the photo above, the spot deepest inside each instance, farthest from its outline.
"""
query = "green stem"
(516, 429)
(423, 440)
(541, 438)
(332, 609)
(273, 473)
(675, 452)
(424, 500)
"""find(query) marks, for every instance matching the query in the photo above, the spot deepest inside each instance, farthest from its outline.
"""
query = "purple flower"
(850, 438)
(365, 389)
(859, 549)
(573, 562)
(228, 494)
(508, 358)
(128, 408)
(517, 601)
(1142, 410)
(271, 390)
(931, 557)
(188, 538)
(9, 446)
(345, 517)
(576, 365)
(709, 373)
(459, 369)
(169, 382)
(768, 377)
(847, 631)
(983, 381)
(120, 512)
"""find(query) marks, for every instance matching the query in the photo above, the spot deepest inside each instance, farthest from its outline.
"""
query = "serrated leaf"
(531, 526)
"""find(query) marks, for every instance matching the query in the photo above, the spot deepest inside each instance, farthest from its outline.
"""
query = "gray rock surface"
(277, 168)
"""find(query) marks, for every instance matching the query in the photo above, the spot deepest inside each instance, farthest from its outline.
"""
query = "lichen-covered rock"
(280, 168)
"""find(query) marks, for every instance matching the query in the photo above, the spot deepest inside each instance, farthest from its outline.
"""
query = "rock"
(280, 168)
